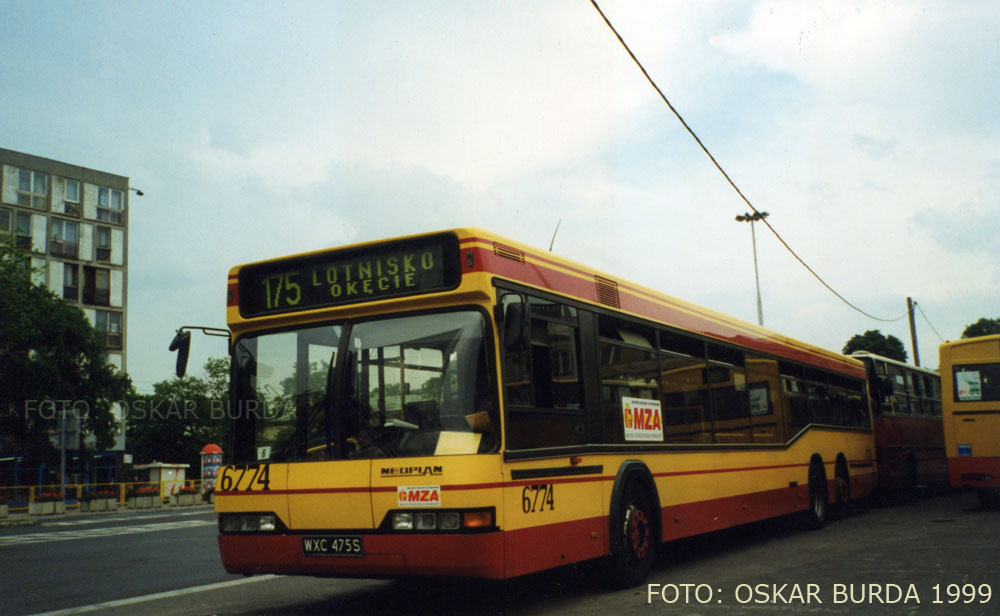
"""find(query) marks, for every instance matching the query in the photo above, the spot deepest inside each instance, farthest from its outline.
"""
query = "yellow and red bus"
(460, 404)
(906, 414)
(970, 371)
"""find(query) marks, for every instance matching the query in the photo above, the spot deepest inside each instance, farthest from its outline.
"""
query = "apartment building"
(74, 221)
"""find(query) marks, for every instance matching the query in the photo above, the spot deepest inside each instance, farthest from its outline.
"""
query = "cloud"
(969, 229)
(876, 149)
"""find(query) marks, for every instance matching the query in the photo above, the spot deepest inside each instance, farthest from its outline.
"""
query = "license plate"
(333, 545)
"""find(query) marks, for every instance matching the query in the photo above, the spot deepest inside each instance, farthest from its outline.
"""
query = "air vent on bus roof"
(508, 253)
(607, 292)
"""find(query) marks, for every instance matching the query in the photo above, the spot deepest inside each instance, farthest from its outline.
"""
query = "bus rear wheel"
(631, 564)
(842, 490)
(815, 516)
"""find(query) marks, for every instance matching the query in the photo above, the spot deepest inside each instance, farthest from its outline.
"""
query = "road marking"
(122, 518)
(96, 607)
(67, 535)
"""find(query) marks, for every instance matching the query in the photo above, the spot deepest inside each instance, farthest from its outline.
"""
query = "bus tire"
(815, 515)
(630, 565)
(842, 491)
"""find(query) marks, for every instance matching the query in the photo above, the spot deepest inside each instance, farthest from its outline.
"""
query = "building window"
(72, 200)
(110, 326)
(110, 205)
(5, 219)
(22, 230)
(65, 238)
(104, 244)
(71, 282)
(32, 188)
(96, 286)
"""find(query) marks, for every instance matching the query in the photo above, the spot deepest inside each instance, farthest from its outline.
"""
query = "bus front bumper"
(464, 555)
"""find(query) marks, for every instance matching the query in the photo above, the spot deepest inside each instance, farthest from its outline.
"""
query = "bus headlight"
(426, 521)
(402, 520)
(266, 523)
(450, 521)
(229, 524)
(249, 523)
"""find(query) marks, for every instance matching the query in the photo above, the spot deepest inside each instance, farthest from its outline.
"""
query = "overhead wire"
(726, 175)
(928, 322)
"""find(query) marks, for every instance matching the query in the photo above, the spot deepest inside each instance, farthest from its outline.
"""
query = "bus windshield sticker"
(643, 419)
(968, 386)
(419, 496)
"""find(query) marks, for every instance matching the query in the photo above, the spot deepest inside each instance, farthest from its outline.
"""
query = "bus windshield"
(397, 387)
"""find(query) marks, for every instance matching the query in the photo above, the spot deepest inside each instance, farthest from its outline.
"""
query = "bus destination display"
(342, 277)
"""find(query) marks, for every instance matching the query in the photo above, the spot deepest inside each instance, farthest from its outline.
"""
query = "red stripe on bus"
(644, 304)
(525, 482)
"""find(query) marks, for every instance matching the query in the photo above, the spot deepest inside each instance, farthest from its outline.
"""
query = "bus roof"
(971, 349)
(486, 252)
(888, 360)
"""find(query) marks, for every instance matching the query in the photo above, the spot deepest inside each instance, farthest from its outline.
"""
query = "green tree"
(217, 390)
(179, 418)
(874, 341)
(982, 327)
(51, 360)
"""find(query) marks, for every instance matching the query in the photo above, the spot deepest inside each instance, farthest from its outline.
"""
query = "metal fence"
(20, 498)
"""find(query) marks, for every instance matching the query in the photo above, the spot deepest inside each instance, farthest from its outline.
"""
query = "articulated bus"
(971, 411)
(906, 410)
(461, 404)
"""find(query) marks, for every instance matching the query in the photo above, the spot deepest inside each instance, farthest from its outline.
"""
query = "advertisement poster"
(643, 420)
(968, 386)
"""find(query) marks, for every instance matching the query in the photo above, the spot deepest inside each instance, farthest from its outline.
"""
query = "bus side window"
(542, 384)
(900, 401)
(728, 395)
(933, 388)
(798, 408)
(629, 369)
(766, 415)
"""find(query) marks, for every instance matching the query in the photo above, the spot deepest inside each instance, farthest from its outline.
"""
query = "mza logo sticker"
(643, 419)
(419, 496)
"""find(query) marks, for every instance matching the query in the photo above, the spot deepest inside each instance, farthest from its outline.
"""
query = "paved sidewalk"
(23, 518)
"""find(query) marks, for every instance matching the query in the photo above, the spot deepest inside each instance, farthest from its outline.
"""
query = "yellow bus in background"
(970, 396)
(461, 404)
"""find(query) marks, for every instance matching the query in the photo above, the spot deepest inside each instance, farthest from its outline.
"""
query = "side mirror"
(182, 344)
(516, 334)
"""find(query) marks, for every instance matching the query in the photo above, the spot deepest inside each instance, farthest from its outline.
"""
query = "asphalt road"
(932, 556)
(75, 560)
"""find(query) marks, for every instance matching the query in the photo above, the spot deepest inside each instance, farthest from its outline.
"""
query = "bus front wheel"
(630, 565)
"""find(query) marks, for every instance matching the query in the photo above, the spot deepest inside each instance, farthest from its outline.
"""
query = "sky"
(867, 130)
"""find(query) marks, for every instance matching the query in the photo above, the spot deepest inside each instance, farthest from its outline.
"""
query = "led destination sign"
(343, 277)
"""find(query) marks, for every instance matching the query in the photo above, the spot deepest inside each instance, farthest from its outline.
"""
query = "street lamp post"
(752, 218)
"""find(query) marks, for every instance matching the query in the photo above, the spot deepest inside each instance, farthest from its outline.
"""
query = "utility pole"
(62, 454)
(752, 218)
(913, 332)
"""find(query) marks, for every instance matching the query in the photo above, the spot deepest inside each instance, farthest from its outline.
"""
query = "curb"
(23, 519)
(19, 522)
